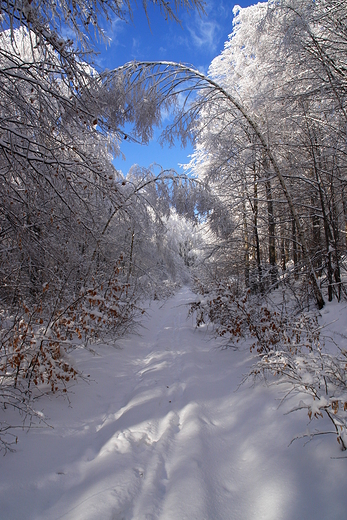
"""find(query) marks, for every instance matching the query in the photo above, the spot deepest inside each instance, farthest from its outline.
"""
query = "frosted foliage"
(185, 239)
(270, 142)
(79, 242)
(243, 58)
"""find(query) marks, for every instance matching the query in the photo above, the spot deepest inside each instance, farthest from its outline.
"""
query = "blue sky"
(196, 42)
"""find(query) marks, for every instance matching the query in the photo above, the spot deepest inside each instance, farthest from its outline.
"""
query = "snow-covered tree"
(268, 125)
(270, 68)
(70, 223)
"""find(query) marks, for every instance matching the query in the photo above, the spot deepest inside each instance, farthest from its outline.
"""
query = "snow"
(162, 430)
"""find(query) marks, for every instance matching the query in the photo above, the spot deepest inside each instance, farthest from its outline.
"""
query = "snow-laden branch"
(168, 79)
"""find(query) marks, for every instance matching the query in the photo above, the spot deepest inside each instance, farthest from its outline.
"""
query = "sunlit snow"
(162, 431)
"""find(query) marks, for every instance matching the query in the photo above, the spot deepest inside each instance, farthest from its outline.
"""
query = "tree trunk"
(283, 249)
(245, 237)
(131, 255)
(271, 229)
(295, 245)
(256, 234)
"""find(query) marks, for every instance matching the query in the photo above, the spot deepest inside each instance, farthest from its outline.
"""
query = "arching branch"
(168, 79)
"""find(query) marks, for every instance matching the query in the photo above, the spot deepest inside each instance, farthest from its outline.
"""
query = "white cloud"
(135, 45)
(204, 33)
(114, 29)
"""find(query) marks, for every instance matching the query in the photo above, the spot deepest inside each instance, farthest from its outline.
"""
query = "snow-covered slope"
(162, 431)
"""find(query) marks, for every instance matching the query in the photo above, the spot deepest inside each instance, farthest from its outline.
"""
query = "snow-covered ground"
(162, 431)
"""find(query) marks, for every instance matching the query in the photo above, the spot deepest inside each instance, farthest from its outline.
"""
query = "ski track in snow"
(160, 432)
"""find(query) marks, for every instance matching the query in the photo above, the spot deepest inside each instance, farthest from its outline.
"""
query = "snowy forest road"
(162, 431)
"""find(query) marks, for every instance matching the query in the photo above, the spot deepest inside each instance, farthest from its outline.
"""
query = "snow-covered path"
(160, 432)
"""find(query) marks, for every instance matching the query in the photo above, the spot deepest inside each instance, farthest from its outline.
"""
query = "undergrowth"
(288, 346)
(36, 342)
